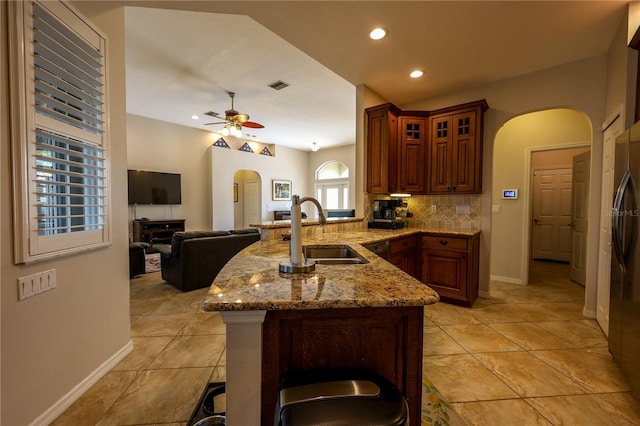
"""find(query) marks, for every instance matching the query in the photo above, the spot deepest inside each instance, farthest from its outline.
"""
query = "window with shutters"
(60, 143)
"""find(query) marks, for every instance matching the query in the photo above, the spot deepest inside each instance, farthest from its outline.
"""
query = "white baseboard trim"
(588, 313)
(65, 402)
(506, 280)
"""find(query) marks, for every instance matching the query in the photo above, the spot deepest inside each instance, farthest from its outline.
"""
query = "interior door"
(551, 232)
(579, 217)
(251, 203)
(604, 251)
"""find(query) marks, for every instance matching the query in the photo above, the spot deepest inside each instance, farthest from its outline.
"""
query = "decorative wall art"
(281, 190)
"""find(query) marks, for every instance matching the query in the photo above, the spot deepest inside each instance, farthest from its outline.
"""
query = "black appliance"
(385, 214)
(154, 187)
(624, 303)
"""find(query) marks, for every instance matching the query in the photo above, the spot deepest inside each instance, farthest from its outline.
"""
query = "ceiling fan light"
(315, 147)
(225, 131)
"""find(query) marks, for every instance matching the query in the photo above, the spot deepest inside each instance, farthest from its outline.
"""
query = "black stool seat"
(340, 397)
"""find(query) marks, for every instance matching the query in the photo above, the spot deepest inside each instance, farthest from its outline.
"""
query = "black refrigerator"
(624, 304)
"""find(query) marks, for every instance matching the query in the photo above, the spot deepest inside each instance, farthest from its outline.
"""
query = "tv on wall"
(154, 187)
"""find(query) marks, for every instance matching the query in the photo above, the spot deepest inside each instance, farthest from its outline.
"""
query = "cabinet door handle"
(444, 242)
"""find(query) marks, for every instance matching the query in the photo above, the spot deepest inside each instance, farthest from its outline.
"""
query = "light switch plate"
(36, 283)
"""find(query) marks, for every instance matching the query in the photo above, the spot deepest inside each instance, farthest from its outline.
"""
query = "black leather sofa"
(194, 258)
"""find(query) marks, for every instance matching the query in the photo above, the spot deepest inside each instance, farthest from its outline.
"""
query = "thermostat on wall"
(509, 194)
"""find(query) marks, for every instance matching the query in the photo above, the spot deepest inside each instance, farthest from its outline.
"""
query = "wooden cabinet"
(450, 267)
(385, 340)
(156, 231)
(411, 153)
(404, 253)
(382, 148)
(455, 149)
(422, 152)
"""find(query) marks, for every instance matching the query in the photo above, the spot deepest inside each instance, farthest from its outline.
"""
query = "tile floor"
(525, 356)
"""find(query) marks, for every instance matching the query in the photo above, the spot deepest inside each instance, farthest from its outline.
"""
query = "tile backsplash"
(451, 211)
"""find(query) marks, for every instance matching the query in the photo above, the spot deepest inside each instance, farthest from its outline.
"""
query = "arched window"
(332, 185)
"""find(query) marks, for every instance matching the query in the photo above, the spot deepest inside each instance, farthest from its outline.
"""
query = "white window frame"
(321, 186)
(76, 229)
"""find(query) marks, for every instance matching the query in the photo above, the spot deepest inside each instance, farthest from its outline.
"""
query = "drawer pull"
(444, 242)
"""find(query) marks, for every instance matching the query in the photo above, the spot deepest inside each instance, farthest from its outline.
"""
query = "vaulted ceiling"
(182, 57)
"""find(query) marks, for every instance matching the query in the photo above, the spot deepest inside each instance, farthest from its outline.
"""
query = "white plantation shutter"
(62, 204)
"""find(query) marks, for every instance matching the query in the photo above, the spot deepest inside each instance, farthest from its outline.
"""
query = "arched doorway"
(515, 144)
(247, 197)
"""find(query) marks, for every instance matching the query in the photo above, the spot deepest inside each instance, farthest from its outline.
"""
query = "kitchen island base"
(385, 340)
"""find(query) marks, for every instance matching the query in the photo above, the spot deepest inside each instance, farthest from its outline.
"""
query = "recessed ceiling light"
(378, 33)
(195, 117)
(416, 73)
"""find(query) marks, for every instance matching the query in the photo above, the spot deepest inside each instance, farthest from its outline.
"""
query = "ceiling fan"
(233, 121)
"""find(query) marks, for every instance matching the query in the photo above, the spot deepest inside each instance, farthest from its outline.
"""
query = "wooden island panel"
(386, 340)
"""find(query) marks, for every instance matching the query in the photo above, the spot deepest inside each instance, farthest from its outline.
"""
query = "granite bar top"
(252, 281)
(271, 224)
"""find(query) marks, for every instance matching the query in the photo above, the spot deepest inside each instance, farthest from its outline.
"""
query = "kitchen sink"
(333, 255)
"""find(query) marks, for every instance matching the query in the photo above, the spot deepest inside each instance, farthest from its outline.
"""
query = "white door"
(251, 204)
(613, 130)
(579, 216)
(551, 232)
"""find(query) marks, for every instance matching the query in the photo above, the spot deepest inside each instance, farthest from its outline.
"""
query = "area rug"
(436, 411)
(151, 262)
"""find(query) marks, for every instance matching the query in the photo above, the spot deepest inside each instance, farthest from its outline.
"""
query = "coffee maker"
(385, 214)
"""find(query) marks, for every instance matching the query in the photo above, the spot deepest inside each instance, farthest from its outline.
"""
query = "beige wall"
(165, 147)
(512, 150)
(65, 337)
(555, 158)
(579, 85)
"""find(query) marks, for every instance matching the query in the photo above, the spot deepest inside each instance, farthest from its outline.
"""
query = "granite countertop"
(252, 281)
(272, 224)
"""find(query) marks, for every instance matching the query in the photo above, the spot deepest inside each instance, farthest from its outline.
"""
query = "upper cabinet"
(455, 149)
(422, 152)
(411, 153)
(382, 148)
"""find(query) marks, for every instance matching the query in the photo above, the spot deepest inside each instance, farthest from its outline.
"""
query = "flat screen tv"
(154, 187)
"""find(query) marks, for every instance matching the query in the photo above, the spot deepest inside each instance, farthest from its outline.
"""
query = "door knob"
(536, 220)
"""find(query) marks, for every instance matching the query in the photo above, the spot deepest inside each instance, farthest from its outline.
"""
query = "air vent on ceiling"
(278, 85)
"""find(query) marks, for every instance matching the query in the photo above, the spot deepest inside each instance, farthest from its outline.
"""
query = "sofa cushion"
(245, 231)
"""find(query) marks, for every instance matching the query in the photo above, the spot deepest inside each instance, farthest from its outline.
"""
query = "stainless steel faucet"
(298, 263)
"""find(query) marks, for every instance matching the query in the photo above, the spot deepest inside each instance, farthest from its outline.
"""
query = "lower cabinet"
(404, 254)
(450, 267)
(386, 340)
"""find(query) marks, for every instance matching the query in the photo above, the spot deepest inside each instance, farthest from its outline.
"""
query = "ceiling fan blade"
(252, 125)
(214, 114)
(217, 122)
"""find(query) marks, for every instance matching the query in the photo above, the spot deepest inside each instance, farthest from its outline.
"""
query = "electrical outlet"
(36, 283)
(434, 208)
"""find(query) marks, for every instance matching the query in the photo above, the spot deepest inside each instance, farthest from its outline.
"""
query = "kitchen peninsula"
(341, 315)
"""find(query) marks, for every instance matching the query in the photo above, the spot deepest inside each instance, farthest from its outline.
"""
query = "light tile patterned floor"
(525, 356)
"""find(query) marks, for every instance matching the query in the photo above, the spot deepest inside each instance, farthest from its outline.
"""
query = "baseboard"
(587, 313)
(506, 279)
(484, 294)
(65, 402)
